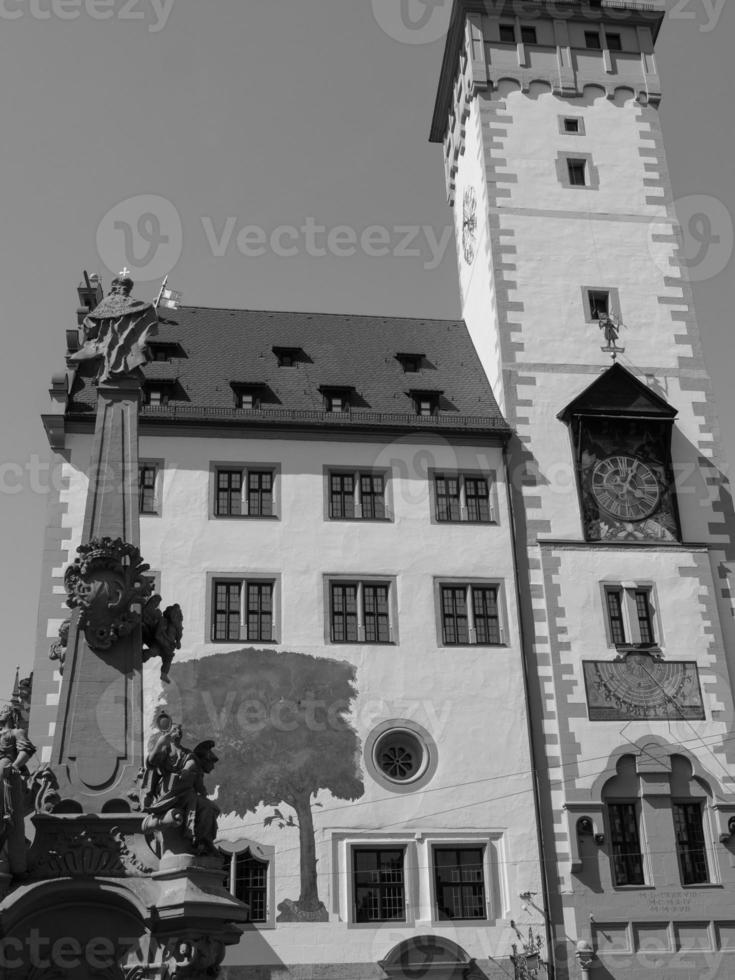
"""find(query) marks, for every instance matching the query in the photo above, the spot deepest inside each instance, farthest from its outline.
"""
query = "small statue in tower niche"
(610, 327)
(16, 750)
(174, 794)
(162, 632)
(117, 332)
(57, 650)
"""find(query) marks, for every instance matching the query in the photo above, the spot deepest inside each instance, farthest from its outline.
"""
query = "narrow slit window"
(626, 845)
(615, 616)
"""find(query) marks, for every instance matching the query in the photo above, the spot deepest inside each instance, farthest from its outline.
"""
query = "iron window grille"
(690, 843)
(460, 883)
(359, 612)
(592, 40)
(626, 846)
(470, 615)
(462, 497)
(528, 35)
(379, 886)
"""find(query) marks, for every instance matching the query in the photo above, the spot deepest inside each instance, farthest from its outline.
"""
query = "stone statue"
(117, 332)
(15, 751)
(174, 792)
(162, 632)
(57, 650)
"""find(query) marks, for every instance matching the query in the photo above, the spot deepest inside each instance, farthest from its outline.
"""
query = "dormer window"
(156, 395)
(426, 403)
(288, 356)
(411, 363)
(162, 351)
(336, 399)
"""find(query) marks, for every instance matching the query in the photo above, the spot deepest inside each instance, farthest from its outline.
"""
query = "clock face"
(625, 487)
(469, 224)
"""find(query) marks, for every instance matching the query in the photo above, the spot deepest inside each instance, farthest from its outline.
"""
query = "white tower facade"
(575, 293)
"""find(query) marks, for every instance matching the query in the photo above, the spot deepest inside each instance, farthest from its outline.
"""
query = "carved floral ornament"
(107, 582)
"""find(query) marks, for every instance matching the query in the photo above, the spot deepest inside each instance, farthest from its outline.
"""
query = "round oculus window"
(400, 755)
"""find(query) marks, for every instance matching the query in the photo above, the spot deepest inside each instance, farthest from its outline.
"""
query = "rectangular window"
(243, 610)
(360, 612)
(156, 396)
(599, 302)
(614, 42)
(470, 615)
(577, 172)
(459, 882)
(690, 843)
(508, 33)
(528, 35)
(379, 888)
(592, 40)
(571, 125)
(226, 611)
(626, 846)
(228, 502)
(250, 885)
(242, 492)
(260, 493)
(462, 497)
(630, 615)
(147, 481)
(259, 612)
(357, 496)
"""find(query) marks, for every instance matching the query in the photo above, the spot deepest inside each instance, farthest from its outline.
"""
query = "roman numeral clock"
(621, 435)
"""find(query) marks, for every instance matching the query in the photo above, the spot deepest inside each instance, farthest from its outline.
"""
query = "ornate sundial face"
(469, 224)
(625, 487)
(641, 686)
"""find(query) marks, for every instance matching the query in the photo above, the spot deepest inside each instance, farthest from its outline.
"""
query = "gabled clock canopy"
(618, 392)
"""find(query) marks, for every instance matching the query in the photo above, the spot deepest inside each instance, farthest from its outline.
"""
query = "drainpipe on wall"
(526, 690)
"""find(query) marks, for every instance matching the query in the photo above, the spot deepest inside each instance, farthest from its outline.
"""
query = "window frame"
(243, 581)
(565, 158)
(469, 584)
(245, 470)
(529, 34)
(505, 27)
(481, 846)
(579, 131)
(158, 466)
(357, 473)
(161, 391)
(462, 475)
(700, 805)
(361, 582)
(638, 812)
(630, 621)
(261, 852)
(617, 39)
(613, 302)
(431, 396)
(378, 848)
(594, 37)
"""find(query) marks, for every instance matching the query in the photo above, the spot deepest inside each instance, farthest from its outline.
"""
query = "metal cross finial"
(125, 274)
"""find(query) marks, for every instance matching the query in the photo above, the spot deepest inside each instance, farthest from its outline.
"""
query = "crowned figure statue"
(117, 332)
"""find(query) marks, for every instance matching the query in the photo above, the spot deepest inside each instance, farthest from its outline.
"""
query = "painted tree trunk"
(309, 897)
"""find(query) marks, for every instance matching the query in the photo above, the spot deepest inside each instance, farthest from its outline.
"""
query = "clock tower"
(575, 291)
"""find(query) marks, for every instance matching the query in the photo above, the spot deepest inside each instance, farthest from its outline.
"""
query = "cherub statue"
(174, 790)
(162, 632)
(15, 751)
(117, 331)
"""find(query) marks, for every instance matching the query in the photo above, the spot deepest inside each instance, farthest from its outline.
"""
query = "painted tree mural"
(281, 723)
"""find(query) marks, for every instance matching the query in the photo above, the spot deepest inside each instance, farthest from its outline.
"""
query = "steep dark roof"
(618, 392)
(226, 348)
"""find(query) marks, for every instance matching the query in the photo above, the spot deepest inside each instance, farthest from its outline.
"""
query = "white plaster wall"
(471, 700)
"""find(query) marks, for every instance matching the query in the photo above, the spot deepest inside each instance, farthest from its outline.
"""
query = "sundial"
(642, 687)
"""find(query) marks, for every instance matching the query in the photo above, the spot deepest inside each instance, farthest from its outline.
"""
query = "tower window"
(599, 300)
(571, 125)
(614, 42)
(577, 172)
(630, 616)
(626, 844)
(592, 40)
(528, 35)
(508, 33)
(690, 844)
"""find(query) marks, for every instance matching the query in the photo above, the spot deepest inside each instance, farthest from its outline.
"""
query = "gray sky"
(297, 113)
